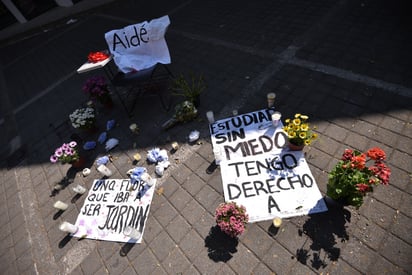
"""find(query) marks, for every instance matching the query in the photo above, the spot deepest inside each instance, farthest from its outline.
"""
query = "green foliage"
(191, 89)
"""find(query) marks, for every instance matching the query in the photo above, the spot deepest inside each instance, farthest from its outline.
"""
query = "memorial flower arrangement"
(96, 88)
(83, 118)
(352, 178)
(185, 111)
(298, 130)
(67, 153)
(231, 218)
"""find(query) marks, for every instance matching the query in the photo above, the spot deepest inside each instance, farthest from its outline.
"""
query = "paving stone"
(207, 198)
(192, 211)
(358, 255)
(178, 228)
(162, 245)
(191, 244)
(401, 226)
(193, 184)
(194, 161)
(278, 259)
(180, 198)
(116, 264)
(401, 160)
(383, 266)
(145, 263)
(176, 262)
(92, 263)
(397, 251)
(204, 223)
(369, 233)
(205, 264)
(165, 214)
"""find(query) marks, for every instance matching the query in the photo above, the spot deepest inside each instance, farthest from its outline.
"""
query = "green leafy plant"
(191, 89)
(351, 178)
(185, 111)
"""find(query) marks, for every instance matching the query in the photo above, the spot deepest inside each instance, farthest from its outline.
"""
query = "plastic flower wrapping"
(66, 153)
(352, 178)
(83, 118)
(136, 173)
(231, 218)
(111, 143)
(298, 130)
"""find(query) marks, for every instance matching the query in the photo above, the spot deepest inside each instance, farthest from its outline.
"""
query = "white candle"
(175, 145)
(104, 170)
(131, 232)
(210, 116)
(276, 118)
(68, 227)
(277, 222)
(133, 127)
(60, 205)
(79, 189)
(271, 99)
(218, 155)
(148, 179)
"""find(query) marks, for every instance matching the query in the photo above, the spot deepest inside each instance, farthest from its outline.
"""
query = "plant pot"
(294, 147)
(80, 163)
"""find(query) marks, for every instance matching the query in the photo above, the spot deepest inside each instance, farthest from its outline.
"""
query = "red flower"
(362, 187)
(347, 154)
(359, 161)
(376, 153)
(94, 57)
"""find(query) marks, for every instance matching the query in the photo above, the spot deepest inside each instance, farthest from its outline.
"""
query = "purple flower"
(64, 146)
(53, 158)
(58, 152)
(73, 144)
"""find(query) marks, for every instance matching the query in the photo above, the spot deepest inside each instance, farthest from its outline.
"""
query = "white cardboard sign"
(258, 173)
(110, 206)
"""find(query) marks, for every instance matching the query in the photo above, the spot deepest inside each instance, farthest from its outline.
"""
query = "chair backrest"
(139, 46)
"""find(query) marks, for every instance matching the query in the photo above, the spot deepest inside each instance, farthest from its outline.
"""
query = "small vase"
(80, 163)
(293, 147)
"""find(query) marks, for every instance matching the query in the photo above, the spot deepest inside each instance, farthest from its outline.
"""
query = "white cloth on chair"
(139, 46)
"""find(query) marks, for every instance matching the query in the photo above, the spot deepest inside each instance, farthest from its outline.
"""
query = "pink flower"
(73, 144)
(58, 152)
(53, 159)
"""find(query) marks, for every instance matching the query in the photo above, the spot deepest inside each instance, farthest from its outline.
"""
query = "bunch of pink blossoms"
(231, 218)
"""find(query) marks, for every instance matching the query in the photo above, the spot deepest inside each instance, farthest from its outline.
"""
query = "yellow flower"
(286, 128)
(287, 120)
(304, 127)
(314, 135)
(297, 115)
(296, 121)
(291, 134)
(304, 117)
(307, 142)
(302, 135)
(296, 128)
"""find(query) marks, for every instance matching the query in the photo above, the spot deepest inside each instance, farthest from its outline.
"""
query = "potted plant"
(184, 112)
(351, 179)
(83, 118)
(298, 132)
(96, 88)
(67, 153)
(190, 90)
(231, 218)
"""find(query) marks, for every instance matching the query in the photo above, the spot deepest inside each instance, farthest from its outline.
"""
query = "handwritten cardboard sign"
(260, 172)
(110, 206)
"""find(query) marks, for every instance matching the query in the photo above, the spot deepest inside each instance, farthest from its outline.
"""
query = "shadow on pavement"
(325, 230)
(220, 246)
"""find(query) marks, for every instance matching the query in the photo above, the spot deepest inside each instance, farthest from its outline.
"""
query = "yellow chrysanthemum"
(297, 115)
(314, 135)
(304, 117)
(307, 142)
(287, 120)
(304, 127)
(291, 134)
(286, 128)
(302, 135)
(296, 128)
(296, 121)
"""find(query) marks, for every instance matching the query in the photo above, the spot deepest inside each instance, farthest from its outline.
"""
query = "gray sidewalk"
(344, 63)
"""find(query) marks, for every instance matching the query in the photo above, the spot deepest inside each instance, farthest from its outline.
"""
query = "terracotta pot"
(80, 163)
(293, 147)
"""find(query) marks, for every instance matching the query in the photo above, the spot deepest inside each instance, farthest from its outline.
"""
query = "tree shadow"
(220, 246)
(325, 230)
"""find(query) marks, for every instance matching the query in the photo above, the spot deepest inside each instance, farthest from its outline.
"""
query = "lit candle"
(276, 118)
(104, 170)
(175, 145)
(277, 222)
(60, 205)
(210, 117)
(271, 99)
(79, 189)
(68, 227)
(133, 127)
(131, 232)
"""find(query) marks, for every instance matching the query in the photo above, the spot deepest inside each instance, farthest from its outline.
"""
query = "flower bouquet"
(351, 178)
(231, 218)
(298, 132)
(83, 118)
(184, 112)
(67, 153)
(96, 88)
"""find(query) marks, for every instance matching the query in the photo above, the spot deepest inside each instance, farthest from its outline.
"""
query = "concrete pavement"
(345, 63)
